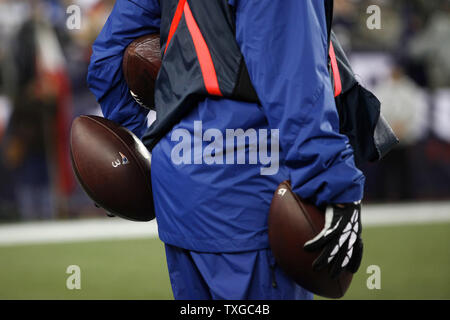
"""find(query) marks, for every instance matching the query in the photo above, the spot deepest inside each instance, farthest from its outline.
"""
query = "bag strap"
(329, 5)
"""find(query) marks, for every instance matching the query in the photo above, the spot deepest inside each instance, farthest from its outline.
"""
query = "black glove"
(340, 240)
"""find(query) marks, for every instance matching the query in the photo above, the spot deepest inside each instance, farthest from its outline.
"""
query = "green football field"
(414, 262)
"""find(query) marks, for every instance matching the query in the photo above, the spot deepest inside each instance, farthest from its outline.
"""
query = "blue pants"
(251, 275)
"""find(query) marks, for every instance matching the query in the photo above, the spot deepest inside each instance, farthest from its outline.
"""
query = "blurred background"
(43, 67)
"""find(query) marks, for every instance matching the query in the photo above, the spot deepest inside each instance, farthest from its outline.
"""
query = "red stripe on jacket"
(336, 75)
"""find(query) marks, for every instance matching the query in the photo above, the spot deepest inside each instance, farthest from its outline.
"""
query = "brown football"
(292, 222)
(140, 64)
(113, 167)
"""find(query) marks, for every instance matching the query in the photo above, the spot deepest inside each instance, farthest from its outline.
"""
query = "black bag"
(360, 118)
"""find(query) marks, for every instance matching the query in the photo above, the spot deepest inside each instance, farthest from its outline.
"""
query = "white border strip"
(116, 228)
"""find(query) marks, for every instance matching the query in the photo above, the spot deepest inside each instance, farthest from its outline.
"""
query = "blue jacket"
(223, 207)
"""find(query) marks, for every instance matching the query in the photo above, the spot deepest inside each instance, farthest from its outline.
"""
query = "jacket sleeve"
(129, 20)
(284, 47)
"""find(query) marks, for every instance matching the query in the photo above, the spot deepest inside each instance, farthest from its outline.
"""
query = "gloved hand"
(340, 240)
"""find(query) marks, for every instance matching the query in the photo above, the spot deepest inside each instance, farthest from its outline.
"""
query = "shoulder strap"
(329, 4)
